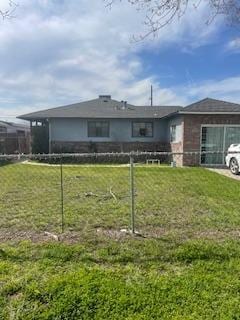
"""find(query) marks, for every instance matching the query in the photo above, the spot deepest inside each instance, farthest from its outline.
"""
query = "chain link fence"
(143, 193)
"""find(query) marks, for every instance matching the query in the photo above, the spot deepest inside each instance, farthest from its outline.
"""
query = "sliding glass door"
(216, 140)
(232, 135)
(212, 141)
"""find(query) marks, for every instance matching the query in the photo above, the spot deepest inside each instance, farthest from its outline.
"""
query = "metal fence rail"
(143, 193)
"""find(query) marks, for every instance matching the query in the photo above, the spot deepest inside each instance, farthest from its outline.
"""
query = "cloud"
(233, 45)
(59, 52)
(138, 93)
(226, 89)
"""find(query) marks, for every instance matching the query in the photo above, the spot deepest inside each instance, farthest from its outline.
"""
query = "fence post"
(62, 203)
(132, 193)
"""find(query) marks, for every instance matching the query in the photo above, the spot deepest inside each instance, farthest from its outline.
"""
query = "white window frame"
(175, 133)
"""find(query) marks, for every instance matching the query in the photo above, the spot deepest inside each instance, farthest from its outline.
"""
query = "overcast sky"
(56, 52)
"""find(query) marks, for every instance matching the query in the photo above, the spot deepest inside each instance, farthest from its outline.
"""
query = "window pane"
(232, 136)
(91, 129)
(98, 129)
(173, 133)
(212, 141)
(142, 129)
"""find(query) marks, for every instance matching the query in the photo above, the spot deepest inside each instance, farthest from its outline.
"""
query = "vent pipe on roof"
(124, 104)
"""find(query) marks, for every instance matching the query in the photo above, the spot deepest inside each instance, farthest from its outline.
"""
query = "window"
(98, 129)
(142, 129)
(21, 133)
(37, 123)
(232, 135)
(173, 136)
(3, 129)
(215, 141)
(212, 145)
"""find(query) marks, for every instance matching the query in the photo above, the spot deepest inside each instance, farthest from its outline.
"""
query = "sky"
(58, 52)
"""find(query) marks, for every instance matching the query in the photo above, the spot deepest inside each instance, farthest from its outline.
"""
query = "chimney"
(105, 98)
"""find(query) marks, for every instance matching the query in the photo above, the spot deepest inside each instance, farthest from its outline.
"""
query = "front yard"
(185, 264)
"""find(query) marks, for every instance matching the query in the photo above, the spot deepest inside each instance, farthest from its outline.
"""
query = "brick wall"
(101, 147)
(192, 132)
(178, 148)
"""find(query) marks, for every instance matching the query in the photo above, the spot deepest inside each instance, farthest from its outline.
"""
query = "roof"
(4, 123)
(103, 107)
(13, 125)
(209, 105)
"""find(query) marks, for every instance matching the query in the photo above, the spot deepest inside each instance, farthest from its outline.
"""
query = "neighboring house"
(208, 125)
(14, 138)
(107, 125)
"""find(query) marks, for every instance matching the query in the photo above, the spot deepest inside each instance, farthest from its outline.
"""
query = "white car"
(233, 158)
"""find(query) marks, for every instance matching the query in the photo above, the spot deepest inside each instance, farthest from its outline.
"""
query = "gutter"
(209, 112)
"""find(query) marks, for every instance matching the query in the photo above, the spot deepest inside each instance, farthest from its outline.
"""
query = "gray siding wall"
(120, 130)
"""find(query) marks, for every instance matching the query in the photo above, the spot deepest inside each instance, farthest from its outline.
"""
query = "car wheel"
(234, 166)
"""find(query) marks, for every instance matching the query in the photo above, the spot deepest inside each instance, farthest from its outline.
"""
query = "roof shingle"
(209, 105)
(105, 107)
(102, 108)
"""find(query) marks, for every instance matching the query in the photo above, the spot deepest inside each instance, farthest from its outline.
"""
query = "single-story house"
(14, 138)
(107, 125)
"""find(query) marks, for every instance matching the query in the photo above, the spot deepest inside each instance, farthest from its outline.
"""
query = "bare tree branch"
(160, 13)
(8, 13)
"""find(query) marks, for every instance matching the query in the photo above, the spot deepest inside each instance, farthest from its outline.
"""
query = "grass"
(186, 265)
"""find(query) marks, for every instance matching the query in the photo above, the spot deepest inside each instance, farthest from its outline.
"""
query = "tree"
(8, 12)
(160, 13)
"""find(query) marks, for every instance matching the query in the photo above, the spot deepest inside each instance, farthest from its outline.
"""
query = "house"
(14, 138)
(107, 125)
(100, 125)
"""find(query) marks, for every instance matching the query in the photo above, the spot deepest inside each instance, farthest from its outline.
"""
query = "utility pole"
(151, 96)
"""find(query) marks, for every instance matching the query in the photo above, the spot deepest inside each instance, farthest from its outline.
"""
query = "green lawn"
(185, 264)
